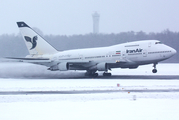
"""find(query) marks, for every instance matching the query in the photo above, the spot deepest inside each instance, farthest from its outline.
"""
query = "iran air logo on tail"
(32, 40)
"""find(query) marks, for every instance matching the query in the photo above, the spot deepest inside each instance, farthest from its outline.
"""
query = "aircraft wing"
(44, 61)
(85, 65)
(40, 61)
(81, 65)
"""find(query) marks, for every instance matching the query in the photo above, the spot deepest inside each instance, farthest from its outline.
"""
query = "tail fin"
(36, 45)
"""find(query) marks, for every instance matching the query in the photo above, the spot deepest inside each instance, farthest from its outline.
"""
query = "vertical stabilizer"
(36, 44)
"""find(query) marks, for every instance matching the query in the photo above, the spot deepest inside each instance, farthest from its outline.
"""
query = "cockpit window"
(158, 42)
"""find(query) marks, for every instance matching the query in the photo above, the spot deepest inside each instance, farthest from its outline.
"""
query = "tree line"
(13, 45)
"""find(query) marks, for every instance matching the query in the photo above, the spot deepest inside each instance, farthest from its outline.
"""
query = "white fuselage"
(131, 54)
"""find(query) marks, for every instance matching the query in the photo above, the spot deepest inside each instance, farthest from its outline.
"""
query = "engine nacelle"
(102, 66)
(63, 66)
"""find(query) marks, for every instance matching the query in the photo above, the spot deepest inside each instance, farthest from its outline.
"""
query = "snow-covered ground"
(162, 69)
(93, 106)
(115, 106)
(143, 109)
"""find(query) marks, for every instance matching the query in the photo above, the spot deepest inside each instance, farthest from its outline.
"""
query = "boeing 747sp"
(126, 55)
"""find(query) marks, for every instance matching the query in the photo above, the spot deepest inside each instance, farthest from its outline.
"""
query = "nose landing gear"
(154, 70)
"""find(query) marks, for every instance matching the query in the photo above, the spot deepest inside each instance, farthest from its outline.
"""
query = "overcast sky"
(69, 17)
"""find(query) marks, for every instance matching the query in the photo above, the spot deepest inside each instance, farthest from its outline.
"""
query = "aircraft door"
(81, 57)
(123, 54)
(149, 45)
(144, 53)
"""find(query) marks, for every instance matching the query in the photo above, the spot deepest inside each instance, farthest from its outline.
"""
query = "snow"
(117, 105)
(92, 106)
(148, 109)
(162, 69)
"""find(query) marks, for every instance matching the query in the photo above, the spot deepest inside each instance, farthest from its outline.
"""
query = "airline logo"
(134, 51)
(32, 40)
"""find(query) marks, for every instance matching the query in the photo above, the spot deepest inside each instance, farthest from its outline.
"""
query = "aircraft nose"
(173, 51)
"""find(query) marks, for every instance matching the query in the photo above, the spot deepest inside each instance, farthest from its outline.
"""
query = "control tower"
(95, 23)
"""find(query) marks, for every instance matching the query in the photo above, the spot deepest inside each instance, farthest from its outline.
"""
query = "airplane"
(127, 55)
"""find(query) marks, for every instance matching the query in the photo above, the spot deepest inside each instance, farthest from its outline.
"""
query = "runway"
(142, 77)
(118, 77)
(137, 84)
(82, 91)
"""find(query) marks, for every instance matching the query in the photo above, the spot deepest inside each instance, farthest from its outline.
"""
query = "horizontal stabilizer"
(28, 58)
(39, 61)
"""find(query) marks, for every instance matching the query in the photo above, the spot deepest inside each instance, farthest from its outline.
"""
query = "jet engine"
(102, 67)
(64, 66)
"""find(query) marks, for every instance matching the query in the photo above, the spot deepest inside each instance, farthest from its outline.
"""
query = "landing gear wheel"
(95, 75)
(154, 70)
(91, 74)
(106, 74)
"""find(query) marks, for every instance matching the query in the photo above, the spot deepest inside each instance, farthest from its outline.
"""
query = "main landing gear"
(91, 74)
(94, 74)
(154, 70)
(106, 74)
